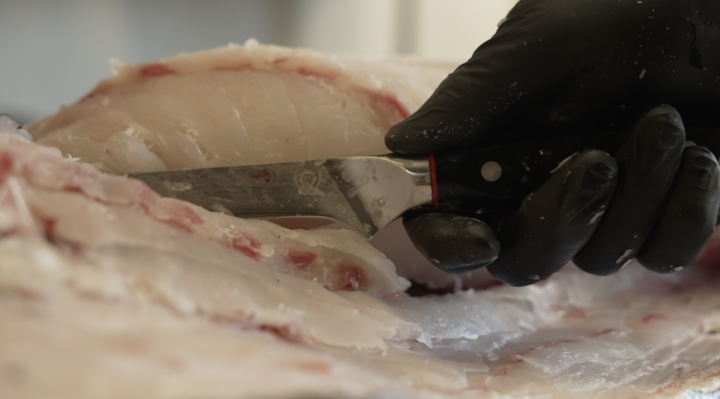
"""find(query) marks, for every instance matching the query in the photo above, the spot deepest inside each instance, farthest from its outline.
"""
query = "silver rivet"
(491, 171)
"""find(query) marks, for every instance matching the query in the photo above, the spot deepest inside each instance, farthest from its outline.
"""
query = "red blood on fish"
(6, 166)
(185, 213)
(147, 198)
(526, 352)
(666, 387)
(266, 177)
(147, 195)
(155, 70)
(251, 253)
(574, 313)
(280, 60)
(685, 300)
(286, 333)
(174, 363)
(48, 225)
(310, 72)
(710, 256)
(392, 100)
(605, 332)
(75, 248)
(77, 171)
(348, 277)
(654, 316)
(715, 374)
(417, 290)
(247, 245)
(253, 242)
(179, 226)
(9, 232)
(315, 367)
(562, 341)
(506, 369)
(73, 189)
(301, 260)
(100, 89)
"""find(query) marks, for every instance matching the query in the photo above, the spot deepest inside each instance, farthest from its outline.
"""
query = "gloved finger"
(648, 161)
(555, 221)
(689, 218)
(454, 243)
(530, 58)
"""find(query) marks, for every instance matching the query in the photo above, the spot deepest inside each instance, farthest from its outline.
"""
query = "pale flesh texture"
(249, 104)
(155, 298)
(149, 299)
(239, 105)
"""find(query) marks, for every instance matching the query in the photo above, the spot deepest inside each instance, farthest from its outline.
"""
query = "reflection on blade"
(366, 193)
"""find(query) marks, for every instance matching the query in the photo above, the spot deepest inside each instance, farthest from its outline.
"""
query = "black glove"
(567, 64)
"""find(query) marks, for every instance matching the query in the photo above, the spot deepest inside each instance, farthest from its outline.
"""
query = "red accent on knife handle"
(433, 182)
(458, 185)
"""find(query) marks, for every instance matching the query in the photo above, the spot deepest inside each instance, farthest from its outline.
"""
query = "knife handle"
(496, 178)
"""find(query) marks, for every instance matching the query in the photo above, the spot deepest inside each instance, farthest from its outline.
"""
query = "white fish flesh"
(239, 105)
(147, 304)
(150, 302)
(250, 104)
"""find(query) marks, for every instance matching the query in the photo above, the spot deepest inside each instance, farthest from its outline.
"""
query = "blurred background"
(54, 51)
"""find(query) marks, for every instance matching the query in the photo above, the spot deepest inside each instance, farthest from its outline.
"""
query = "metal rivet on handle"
(491, 171)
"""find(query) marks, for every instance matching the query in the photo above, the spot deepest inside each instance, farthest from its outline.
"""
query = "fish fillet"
(155, 298)
(250, 104)
(239, 105)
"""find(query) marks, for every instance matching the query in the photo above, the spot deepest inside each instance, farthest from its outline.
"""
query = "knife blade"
(367, 193)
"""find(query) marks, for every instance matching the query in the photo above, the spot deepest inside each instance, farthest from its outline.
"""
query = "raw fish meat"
(250, 104)
(90, 217)
(97, 269)
(239, 105)
(152, 297)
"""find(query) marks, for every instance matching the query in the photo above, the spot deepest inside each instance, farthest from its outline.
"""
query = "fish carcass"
(153, 297)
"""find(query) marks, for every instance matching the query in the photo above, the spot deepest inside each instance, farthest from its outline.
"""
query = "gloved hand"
(567, 64)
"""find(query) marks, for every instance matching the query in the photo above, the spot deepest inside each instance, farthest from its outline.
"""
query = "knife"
(368, 192)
